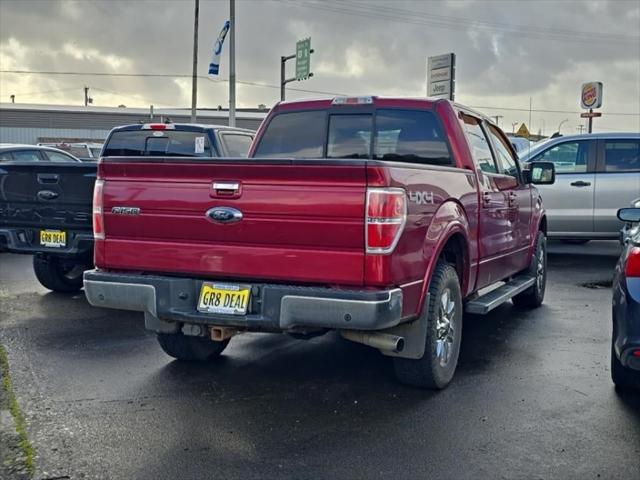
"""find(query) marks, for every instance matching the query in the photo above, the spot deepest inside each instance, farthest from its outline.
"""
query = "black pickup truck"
(46, 200)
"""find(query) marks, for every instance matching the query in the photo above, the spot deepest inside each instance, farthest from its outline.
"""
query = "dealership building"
(31, 124)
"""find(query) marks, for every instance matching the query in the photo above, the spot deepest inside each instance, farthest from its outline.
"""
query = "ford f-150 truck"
(45, 201)
(381, 218)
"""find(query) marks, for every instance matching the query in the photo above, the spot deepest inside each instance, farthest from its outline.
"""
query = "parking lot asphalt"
(532, 397)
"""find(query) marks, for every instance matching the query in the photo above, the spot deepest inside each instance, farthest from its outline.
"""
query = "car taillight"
(98, 217)
(385, 218)
(632, 268)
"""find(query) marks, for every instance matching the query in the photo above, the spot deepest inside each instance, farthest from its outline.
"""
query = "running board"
(485, 303)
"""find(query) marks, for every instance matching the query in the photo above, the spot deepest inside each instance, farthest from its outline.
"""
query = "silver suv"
(596, 174)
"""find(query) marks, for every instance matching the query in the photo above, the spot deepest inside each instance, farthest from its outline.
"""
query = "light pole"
(194, 74)
(232, 63)
(513, 127)
(562, 122)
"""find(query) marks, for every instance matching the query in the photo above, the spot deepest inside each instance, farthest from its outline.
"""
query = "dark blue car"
(625, 345)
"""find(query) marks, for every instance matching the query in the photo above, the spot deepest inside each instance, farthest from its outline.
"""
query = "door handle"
(580, 183)
(44, 178)
(513, 199)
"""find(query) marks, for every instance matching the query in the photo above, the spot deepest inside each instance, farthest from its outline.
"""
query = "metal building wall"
(31, 135)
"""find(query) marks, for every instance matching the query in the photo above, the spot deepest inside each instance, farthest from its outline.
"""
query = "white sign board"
(441, 72)
(591, 95)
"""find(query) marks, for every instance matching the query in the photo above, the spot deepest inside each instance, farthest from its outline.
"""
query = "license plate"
(53, 238)
(224, 298)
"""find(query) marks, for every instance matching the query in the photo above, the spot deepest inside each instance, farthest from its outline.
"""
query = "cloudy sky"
(507, 52)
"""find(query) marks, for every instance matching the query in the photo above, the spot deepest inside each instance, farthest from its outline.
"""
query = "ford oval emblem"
(224, 215)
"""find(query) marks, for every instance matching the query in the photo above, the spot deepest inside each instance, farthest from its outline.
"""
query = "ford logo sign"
(224, 215)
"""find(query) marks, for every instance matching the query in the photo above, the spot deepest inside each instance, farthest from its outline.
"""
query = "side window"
(410, 136)
(622, 156)
(349, 136)
(5, 156)
(479, 144)
(295, 134)
(503, 153)
(27, 156)
(59, 157)
(237, 145)
(568, 157)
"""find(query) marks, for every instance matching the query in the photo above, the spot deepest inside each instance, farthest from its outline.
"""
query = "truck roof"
(379, 101)
(183, 126)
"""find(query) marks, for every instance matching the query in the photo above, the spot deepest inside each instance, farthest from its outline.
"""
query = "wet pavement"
(532, 397)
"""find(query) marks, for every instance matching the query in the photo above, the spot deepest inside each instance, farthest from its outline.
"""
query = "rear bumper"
(273, 307)
(23, 240)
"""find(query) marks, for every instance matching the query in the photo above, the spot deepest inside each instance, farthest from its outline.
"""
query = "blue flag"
(214, 66)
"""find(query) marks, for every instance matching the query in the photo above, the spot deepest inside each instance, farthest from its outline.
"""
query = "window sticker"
(199, 145)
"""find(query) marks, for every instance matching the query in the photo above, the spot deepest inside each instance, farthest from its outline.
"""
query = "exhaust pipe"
(381, 341)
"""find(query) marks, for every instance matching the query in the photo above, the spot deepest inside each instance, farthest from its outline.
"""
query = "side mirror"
(540, 173)
(631, 215)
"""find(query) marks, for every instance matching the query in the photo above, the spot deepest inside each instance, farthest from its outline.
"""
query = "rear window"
(412, 136)
(236, 145)
(157, 143)
(295, 134)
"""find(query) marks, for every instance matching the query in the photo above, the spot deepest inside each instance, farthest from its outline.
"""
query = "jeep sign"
(441, 71)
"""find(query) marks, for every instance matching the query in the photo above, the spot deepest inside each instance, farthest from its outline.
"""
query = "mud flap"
(414, 334)
(159, 326)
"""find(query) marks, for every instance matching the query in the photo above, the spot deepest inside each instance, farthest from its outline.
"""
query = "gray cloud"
(506, 51)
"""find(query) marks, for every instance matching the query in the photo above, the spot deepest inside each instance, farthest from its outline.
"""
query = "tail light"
(98, 217)
(632, 268)
(385, 220)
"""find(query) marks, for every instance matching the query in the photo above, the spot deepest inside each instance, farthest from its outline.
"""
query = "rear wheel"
(190, 349)
(57, 275)
(444, 330)
(533, 296)
(622, 376)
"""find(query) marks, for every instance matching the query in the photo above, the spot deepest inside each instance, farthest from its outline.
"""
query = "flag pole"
(232, 63)
(194, 75)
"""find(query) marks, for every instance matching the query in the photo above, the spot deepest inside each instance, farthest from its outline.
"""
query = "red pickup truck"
(381, 218)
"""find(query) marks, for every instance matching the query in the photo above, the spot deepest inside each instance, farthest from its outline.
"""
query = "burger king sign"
(591, 95)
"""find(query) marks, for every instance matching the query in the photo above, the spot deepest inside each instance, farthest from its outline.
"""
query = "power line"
(266, 85)
(453, 23)
(160, 75)
(27, 94)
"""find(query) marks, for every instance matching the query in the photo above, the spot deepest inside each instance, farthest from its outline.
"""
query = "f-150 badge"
(421, 198)
(125, 210)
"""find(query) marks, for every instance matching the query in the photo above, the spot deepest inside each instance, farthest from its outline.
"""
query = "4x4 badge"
(421, 198)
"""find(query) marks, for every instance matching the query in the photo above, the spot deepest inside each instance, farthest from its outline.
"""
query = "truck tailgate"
(46, 195)
(301, 221)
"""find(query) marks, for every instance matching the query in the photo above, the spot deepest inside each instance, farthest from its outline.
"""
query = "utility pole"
(13, 99)
(498, 117)
(194, 74)
(513, 127)
(580, 128)
(232, 63)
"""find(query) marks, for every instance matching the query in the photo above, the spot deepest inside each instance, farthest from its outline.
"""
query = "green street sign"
(303, 59)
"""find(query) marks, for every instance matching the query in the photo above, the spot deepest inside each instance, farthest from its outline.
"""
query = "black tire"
(575, 241)
(534, 296)
(622, 376)
(190, 349)
(57, 275)
(436, 368)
